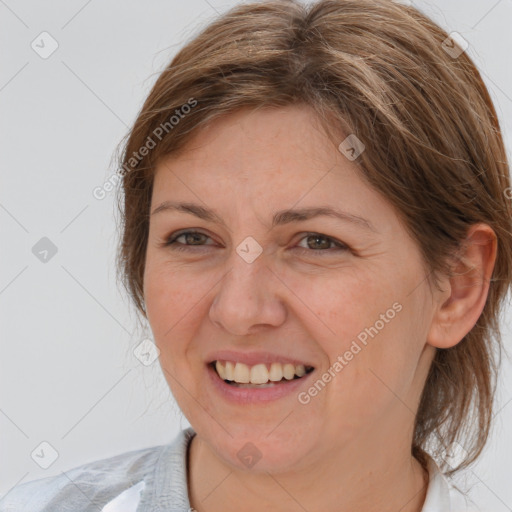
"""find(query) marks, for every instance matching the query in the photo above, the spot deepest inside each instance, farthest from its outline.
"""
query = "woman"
(317, 229)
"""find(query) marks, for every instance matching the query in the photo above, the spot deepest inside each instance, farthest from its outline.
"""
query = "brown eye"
(192, 237)
(316, 242)
(188, 239)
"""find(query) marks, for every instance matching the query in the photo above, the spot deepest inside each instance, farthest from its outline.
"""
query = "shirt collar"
(438, 491)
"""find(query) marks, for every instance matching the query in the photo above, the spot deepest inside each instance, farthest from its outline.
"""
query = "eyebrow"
(280, 217)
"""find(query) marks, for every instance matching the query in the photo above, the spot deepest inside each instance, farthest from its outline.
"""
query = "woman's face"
(346, 296)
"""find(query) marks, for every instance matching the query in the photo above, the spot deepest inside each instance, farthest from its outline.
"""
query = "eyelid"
(173, 236)
(340, 246)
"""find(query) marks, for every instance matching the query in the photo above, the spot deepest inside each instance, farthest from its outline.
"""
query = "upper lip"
(252, 358)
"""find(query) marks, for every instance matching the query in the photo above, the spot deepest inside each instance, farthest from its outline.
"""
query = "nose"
(247, 298)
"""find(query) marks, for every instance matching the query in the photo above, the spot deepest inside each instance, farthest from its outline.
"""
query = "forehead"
(286, 142)
(265, 158)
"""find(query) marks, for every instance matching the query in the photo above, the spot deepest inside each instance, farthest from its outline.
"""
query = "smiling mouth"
(259, 375)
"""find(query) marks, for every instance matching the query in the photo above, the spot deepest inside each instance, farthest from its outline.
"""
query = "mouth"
(260, 375)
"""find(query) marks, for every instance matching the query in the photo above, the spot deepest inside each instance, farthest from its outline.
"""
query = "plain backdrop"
(68, 375)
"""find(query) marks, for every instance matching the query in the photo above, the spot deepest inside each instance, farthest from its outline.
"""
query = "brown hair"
(434, 150)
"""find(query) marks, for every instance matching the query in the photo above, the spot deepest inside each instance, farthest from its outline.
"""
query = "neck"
(346, 480)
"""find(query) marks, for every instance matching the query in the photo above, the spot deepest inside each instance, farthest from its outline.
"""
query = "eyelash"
(171, 242)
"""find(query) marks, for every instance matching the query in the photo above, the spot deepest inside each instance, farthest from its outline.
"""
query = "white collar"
(438, 491)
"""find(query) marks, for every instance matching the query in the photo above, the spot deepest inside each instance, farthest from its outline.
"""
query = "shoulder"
(83, 488)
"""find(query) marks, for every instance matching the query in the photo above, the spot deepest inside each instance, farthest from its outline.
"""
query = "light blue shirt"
(155, 480)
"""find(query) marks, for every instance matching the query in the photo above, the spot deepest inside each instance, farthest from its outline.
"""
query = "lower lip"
(255, 395)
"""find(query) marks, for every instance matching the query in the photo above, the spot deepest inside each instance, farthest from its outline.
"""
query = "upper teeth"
(259, 373)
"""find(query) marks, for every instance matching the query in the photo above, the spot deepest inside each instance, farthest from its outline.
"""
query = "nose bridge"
(246, 296)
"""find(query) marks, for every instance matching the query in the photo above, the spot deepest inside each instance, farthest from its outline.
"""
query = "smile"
(258, 375)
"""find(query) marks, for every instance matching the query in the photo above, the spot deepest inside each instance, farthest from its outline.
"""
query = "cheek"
(173, 303)
(338, 308)
(384, 353)
(367, 320)
(170, 298)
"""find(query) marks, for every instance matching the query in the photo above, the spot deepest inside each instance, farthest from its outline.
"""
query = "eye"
(320, 241)
(188, 236)
(321, 244)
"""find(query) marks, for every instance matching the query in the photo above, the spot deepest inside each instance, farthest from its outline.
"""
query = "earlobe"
(465, 292)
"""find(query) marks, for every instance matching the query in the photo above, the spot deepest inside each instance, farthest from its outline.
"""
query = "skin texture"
(349, 448)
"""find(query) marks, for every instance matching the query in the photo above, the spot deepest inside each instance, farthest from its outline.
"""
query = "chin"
(255, 450)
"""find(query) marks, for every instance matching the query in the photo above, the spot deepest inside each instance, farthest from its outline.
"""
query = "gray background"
(67, 373)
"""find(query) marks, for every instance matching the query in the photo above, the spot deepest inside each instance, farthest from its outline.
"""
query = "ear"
(464, 294)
